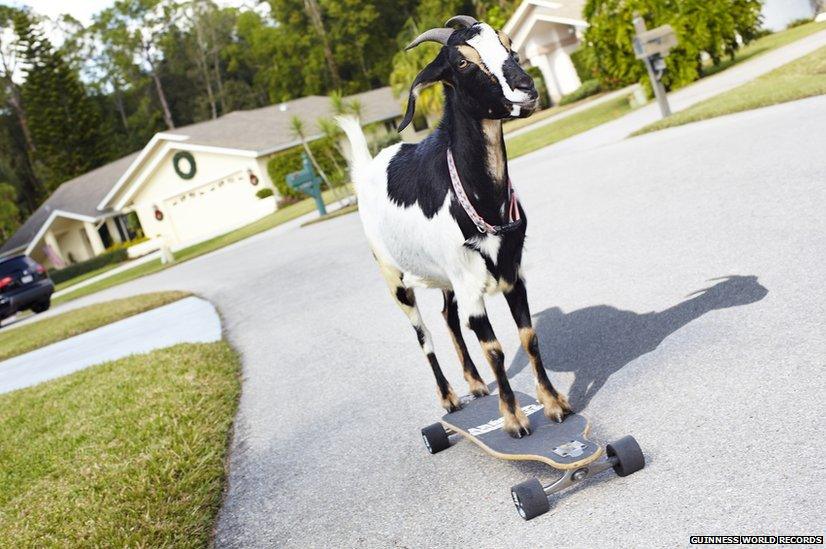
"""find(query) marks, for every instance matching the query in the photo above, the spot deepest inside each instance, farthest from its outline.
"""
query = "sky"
(83, 10)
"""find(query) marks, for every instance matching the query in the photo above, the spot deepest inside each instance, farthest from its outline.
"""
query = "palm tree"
(406, 66)
(298, 131)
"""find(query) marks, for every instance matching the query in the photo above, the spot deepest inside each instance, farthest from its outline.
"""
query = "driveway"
(723, 388)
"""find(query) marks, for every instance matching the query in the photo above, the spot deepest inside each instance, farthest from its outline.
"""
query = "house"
(777, 14)
(185, 186)
(545, 34)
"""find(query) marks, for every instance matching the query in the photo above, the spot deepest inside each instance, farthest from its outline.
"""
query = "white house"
(545, 33)
(777, 14)
(185, 186)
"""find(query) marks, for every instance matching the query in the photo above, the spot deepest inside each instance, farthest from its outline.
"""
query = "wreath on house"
(184, 172)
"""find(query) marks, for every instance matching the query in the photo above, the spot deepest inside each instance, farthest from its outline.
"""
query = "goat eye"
(463, 63)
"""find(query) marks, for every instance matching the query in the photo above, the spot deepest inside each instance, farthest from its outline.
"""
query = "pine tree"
(65, 124)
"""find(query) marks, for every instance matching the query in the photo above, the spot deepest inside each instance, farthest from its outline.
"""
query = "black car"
(24, 284)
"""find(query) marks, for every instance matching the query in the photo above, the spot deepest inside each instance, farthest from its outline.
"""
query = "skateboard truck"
(623, 456)
(564, 446)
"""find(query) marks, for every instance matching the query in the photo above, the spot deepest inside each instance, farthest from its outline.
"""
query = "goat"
(442, 213)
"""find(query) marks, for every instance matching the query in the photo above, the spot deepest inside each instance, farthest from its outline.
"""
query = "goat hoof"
(478, 388)
(451, 402)
(556, 407)
(517, 425)
(520, 432)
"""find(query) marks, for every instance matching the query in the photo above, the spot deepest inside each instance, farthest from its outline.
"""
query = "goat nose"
(523, 83)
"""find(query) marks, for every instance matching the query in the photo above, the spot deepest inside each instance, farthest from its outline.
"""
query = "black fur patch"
(419, 335)
(482, 328)
(405, 296)
(441, 382)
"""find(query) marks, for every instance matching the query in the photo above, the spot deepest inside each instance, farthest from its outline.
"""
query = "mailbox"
(653, 42)
(651, 46)
(308, 182)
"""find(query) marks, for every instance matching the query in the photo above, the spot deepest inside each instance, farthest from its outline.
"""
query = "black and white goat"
(442, 213)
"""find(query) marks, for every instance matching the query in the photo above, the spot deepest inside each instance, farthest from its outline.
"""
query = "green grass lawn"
(767, 43)
(273, 220)
(568, 127)
(338, 213)
(804, 77)
(130, 453)
(16, 341)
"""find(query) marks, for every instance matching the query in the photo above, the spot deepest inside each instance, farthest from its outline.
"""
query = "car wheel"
(42, 306)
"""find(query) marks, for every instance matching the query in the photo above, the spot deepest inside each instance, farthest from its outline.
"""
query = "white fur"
(494, 55)
(429, 252)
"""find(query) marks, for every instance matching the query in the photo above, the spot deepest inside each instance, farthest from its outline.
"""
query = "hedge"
(108, 258)
(582, 65)
(286, 162)
(587, 89)
(264, 193)
(541, 87)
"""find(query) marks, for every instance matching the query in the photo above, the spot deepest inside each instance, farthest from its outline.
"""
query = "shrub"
(285, 201)
(104, 259)
(383, 141)
(587, 89)
(700, 26)
(583, 65)
(799, 22)
(541, 87)
(264, 193)
(127, 244)
(286, 162)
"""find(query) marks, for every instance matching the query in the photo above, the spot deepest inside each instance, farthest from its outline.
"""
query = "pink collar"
(514, 219)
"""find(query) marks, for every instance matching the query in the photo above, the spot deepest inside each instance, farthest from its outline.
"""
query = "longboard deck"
(561, 445)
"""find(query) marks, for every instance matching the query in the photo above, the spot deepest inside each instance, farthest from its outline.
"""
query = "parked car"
(24, 284)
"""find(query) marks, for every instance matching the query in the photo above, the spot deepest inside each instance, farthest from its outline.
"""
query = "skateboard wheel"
(629, 456)
(530, 499)
(435, 438)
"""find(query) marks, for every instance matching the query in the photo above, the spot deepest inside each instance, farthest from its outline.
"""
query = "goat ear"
(436, 71)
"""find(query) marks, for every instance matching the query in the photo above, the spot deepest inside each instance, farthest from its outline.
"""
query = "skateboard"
(563, 446)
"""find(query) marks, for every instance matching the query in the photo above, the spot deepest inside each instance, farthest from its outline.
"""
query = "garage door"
(213, 208)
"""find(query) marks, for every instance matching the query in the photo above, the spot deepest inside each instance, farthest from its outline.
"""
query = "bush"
(582, 65)
(289, 161)
(799, 22)
(264, 193)
(108, 258)
(127, 244)
(285, 201)
(384, 141)
(541, 87)
(587, 89)
(700, 26)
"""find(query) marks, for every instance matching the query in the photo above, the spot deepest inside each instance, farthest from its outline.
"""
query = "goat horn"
(433, 35)
(464, 20)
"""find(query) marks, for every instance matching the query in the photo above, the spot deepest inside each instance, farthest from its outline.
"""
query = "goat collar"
(514, 219)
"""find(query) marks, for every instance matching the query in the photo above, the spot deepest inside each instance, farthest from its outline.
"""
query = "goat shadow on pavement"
(596, 342)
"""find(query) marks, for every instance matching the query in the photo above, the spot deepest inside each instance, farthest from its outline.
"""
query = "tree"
(701, 27)
(19, 152)
(298, 131)
(314, 13)
(9, 213)
(132, 30)
(65, 125)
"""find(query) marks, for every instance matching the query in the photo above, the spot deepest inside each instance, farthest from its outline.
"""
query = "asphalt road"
(723, 390)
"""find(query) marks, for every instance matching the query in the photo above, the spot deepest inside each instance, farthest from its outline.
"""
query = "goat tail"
(359, 151)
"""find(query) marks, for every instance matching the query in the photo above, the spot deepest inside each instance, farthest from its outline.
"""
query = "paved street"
(722, 388)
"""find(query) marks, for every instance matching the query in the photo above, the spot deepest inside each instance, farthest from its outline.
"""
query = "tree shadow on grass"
(595, 342)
